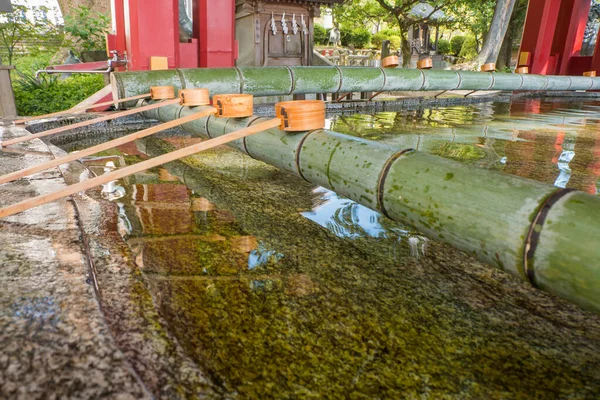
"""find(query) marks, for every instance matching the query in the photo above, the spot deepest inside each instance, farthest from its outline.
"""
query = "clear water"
(277, 288)
(555, 142)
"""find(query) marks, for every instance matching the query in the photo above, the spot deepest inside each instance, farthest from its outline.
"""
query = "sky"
(52, 4)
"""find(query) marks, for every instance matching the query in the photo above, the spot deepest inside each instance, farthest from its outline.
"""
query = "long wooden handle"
(134, 169)
(88, 122)
(78, 109)
(105, 146)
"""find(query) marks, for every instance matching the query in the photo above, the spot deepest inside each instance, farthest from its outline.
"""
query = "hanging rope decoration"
(489, 67)
(390, 62)
(233, 105)
(162, 92)
(194, 97)
(301, 115)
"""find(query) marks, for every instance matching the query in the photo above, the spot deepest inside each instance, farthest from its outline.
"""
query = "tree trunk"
(404, 45)
(505, 55)
(495, 37)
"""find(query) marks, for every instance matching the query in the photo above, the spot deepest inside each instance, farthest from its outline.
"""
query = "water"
(555, 142)
(277, 288)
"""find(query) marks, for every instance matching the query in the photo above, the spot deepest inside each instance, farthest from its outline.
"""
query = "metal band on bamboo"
(426, 63)
(590, 73)
(489, 67)
(390, 62)
(301, 115)
(234, 105)
(162, 92)
(533, 236)
(194, 97)
(522, 70)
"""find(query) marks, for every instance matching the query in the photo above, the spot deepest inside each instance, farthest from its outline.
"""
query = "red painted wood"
(118, 26)
(579, 64)
(108, 97)
(188, 54)
(568, 38)
(538, 35)
(151, 29)
(214, 25)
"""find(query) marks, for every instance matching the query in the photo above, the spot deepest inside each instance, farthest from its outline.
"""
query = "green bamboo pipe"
(279, 81)
(545, 235)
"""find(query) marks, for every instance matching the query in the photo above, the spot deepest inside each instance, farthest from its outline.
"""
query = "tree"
(401, 12)
(355, 14)
(23, 28)
(472, 16)
(495, 36)
(515, 28)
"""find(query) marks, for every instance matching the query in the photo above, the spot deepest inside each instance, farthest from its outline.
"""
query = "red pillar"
(538, 35)
(570, 28)
(118, 21)
(214, 24)
(152, 29)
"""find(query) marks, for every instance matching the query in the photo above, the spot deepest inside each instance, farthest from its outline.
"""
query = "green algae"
(357, 317)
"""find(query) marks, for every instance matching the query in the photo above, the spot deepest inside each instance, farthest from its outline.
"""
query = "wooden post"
(7, 96)
(139, 167)
(105, 146)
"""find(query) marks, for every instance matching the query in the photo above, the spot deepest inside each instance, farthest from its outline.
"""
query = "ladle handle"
(142, 166)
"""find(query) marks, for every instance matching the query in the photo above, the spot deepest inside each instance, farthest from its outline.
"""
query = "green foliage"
(473, 16)
(361, 38)
(377, 39)
(88, 30)
(468, 50)
(384, 34)
(443, 46)
(49, 94)
(19, 34)
(395, 42)
(358, 38)
(355, 14)
(456, 44)
(320, 34)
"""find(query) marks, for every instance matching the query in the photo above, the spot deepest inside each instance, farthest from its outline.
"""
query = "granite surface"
(54, 340)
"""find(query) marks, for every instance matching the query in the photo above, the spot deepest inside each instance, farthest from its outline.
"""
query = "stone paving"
(54, 340)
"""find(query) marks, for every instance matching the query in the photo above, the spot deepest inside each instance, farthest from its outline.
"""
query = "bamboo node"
(301, 115)
(162, 92)
(194, 97)
(233, 105)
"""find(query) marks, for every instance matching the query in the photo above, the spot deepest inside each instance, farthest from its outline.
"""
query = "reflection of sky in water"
(261, 257)
(347, 219)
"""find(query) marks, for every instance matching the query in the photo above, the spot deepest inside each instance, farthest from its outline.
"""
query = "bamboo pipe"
(279, 81)
(81, 109)
(105, 146)
(495, 217)
(88, 122)
(139, 167)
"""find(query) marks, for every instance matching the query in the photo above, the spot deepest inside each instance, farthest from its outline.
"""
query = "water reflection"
(550, 141)
(347, 219)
